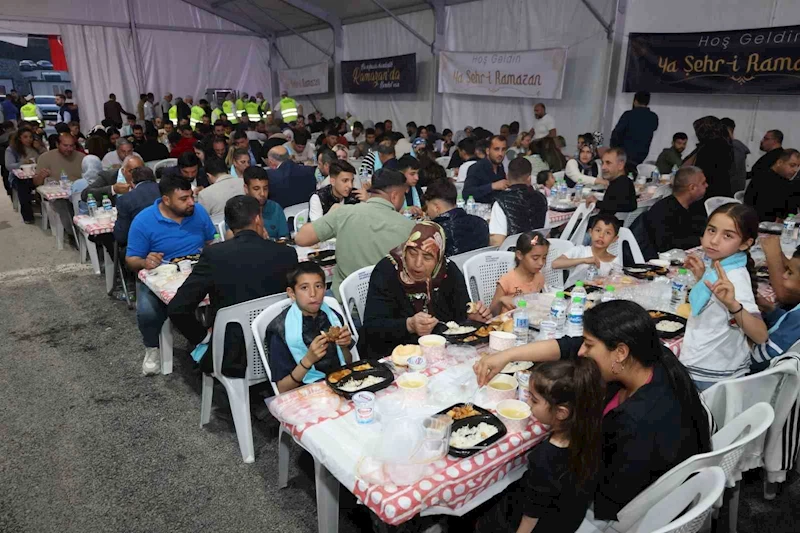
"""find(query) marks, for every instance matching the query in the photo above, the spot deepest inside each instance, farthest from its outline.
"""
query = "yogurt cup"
(523, 378)
(417, 363)
(365, 407)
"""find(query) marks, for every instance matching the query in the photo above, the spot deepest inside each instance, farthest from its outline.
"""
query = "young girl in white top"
(604, 231)
(724, 311)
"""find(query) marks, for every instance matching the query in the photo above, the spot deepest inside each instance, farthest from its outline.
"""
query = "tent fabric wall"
(754, 115)
(299, 53)
(508, 25)
(385, 37)
(178, 15)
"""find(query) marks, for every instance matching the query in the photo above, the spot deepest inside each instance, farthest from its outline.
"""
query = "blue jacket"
(480, 177)
(462, 232)
(10, 111)
(129, 205)
(634, 132)
(784, 331)
(291, 184)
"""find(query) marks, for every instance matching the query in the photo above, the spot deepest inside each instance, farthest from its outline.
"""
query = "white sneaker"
(152, 362)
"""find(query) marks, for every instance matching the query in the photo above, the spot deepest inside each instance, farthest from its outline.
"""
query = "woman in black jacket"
(653, 416)
(413, 289)
(714, 155)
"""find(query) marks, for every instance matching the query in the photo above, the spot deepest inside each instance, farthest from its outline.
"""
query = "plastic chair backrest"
(715, 201)
(293, 210)
(626, 235)
(686, 508)
(171, 162)
(258, 330)
(222, 228)
(482, 273)
(578, 220)
(554, 279)
(560, 175)
(444, 160)
(353, 291)
(645, 169)
(244, 314)
(510, 242)
(460, 259)
(75, 198)
(628, 218)
(727, 448)
(739, 196)
(301, 217)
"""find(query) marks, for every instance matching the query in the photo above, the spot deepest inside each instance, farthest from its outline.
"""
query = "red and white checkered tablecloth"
(94, 226)
(316, 417)
(21, 175)
(52, 192)
(557, 218)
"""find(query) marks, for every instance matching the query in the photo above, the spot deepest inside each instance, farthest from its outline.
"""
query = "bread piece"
(401, 354)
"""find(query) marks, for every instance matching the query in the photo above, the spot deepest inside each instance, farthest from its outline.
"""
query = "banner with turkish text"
(397, 74)
(756, 61)
(312, 79)
(526, 74)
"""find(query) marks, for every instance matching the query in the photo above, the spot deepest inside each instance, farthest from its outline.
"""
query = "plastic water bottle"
(575, 318)
(471, 205)
(558, 313)
(641, 179)
(674, 171)
(578, 191)
(563, 194)
(217, 238)
(460, 202)
(91, 203)
(591, 273)
(680, 286)
(521, 322)
(579, 292)
(787, 235)
(655, 176)
(106, 204)
(630, 176)
(609, 294)
(300, 221)
(64, 181)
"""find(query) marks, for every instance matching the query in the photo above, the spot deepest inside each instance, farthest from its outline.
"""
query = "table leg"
(45, 214)
(92, 249)
(108, 261)
(327, 499)
(58, 228)
(165, 344)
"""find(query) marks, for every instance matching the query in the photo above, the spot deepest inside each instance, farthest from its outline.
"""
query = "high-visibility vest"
(239, 107)
(215, 113)
(288, 109)
(251, 108)
(29, 113)
(265, 109)
(228, 108)
(173, 115)
(197, 116)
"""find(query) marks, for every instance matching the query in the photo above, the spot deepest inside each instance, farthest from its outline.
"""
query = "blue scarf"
(377, 163)
(294, 338)
(233, 172)
(700, 294)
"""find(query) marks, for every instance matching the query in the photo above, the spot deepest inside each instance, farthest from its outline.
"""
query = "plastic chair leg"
(733, 508)
(239, 400)
(108, 263)
(327, 499)
(45, 214)
(92, 251)
(284, 443)
(205, 399)
(165, 345)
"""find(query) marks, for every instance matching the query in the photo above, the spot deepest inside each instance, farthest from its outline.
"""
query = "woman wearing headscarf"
(90, 168)
(714, 155)
(412, 290)
(585, 168)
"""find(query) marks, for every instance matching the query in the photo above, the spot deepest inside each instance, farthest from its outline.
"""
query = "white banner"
(312, 79)
(529, 74)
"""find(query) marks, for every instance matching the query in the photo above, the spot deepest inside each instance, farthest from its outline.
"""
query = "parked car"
(26, 65)
(44, 65)
(47, 105)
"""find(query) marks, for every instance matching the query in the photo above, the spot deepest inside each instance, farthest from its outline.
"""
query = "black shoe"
(29, 222)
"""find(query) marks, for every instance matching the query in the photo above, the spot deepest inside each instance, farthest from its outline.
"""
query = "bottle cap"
(522, 304)
(560, 294)
(579, 284)
(681, 271)
(610, 288)
(577, 299)
(216, 235)
(471, 197)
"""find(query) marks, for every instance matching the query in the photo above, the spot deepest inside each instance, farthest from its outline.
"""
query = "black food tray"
(379, 369)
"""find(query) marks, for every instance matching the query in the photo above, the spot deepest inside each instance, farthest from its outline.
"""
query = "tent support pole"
(614, 58)
(439, 17)
(137, 51)
(397, 19)
(606, 26)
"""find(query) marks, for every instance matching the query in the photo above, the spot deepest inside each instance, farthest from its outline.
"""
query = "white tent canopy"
(187, 46)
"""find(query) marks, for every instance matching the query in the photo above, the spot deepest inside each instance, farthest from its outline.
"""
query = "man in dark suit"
(189, 168)
(238, 270)
(145, 192)
(289, 183)
(108, 182)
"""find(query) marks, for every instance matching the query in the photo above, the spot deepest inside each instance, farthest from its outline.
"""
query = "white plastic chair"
(293, 210)
(715, 201)
(482, 273)
(221, 229)
(460, 259)
(559, 175)
(628, 218)
(353, 291)
(625, 235)
(171, 162)
(258, 330)
(444, 160)
(576, 227)
(299, 219)
(686, 508)
(554, 279)
(511, 240)
(739, 196)
(645, 169)
(727, 445)
(237, 388)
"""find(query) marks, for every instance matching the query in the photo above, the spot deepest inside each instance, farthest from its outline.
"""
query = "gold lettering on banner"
(375, 77)
(773, 64)
(666, 65)
(517, 79)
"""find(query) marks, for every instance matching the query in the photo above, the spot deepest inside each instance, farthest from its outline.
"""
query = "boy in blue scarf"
(308, 339)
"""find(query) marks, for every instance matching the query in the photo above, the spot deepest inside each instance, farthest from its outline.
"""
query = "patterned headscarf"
(428, 237)
(709, 128)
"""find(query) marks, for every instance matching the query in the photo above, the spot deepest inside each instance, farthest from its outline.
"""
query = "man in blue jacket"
(634, 131)
(144, 193)
(289, 183)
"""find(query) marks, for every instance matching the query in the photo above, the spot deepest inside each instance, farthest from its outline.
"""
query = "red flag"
(57, 57)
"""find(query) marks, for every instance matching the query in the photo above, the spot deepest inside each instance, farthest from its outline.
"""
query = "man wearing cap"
(30, 111)
(115, 158)
(288, 108)
(364, 232)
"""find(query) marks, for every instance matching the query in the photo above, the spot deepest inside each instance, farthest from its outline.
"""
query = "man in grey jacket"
(740, 151)
(113, 182)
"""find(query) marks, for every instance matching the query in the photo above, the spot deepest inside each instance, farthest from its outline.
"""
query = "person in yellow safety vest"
(30, 111)
(216, 111)
(263, 106)
(173, 115)
(197, 116)
(240, 104)
(229, 108)
(251, 108)
(288, 108)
